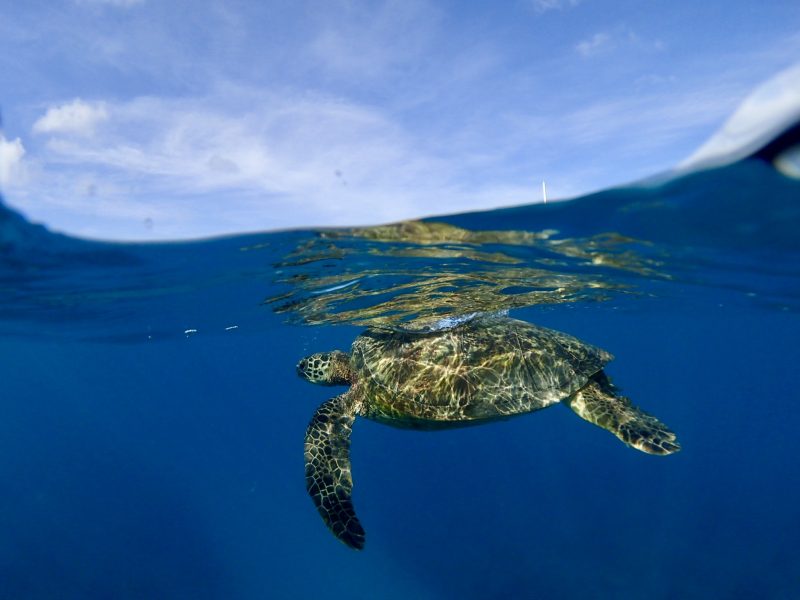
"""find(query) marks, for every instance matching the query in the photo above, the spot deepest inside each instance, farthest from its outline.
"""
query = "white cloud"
(11, 153)
(594, 44)
(290, 144)
(77, 117)
(252, 160)
(616, 38)
(542, 6)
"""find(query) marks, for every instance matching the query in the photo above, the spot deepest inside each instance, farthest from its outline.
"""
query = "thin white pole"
(544, 192)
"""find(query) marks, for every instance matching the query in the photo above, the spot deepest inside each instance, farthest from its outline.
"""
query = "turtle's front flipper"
(328, 479)
(598, 403)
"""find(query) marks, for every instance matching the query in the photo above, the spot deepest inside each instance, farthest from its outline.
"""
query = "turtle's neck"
(340, 372)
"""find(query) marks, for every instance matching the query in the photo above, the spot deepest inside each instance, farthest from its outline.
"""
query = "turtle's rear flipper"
(598, 403)
(328, 479)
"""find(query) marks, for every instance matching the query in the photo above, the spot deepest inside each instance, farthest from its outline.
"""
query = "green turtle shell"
(485, 368)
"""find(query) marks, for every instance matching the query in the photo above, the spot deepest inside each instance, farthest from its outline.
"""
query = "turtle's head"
(326, 368)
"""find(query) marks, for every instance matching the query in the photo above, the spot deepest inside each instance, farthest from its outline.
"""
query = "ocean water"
(151, 440)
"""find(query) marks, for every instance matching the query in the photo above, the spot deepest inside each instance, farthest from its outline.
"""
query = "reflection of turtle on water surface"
(485, 369)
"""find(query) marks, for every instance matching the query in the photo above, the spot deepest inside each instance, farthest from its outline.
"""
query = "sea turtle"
(483, 369)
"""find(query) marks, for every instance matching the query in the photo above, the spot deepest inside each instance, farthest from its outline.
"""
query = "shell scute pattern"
(475, 371)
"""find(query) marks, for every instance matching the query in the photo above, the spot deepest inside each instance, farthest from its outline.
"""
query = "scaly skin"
(598, 402)
(328, 479)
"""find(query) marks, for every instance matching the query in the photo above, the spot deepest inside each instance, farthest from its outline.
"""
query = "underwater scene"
(153, 441)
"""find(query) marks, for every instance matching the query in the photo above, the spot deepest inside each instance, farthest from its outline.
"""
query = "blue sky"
(138, 119)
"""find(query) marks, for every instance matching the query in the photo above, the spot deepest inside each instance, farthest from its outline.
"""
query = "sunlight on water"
(411, 274)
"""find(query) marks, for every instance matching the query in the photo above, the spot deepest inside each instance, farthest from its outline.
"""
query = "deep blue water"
(140, 459)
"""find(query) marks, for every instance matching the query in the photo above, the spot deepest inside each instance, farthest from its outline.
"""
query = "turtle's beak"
(302, 367)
